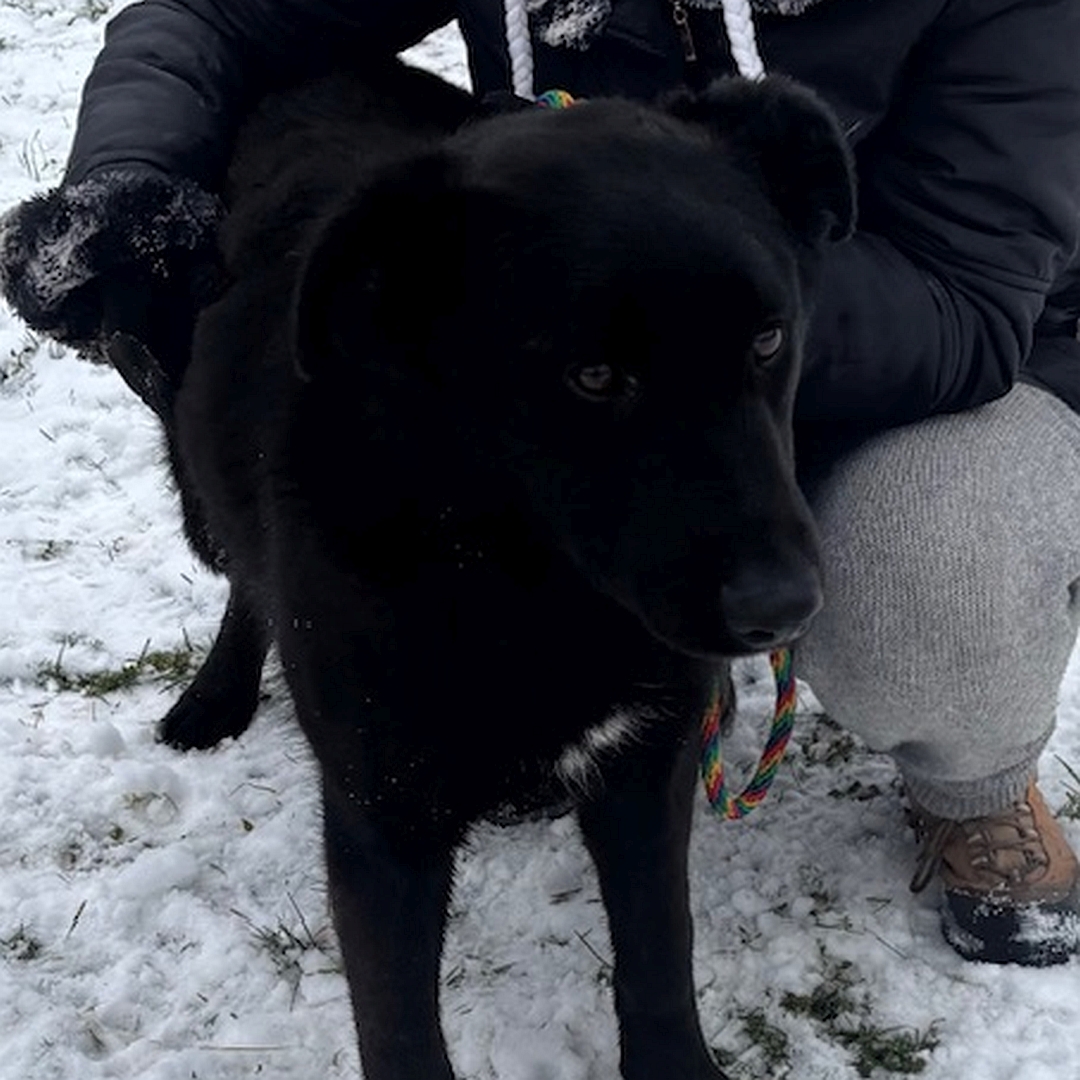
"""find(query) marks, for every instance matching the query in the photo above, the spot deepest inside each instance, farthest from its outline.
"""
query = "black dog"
(493, 429)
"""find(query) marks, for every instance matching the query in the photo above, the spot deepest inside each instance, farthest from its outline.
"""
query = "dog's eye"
(596, 380)
(599, 382)
(769, 342)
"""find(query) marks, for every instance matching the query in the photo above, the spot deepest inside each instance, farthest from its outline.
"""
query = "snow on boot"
(1011, 883)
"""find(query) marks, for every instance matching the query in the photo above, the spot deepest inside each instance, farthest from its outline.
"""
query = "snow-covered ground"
(164, 916)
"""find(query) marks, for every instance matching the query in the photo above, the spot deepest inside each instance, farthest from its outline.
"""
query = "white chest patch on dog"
(579, 764)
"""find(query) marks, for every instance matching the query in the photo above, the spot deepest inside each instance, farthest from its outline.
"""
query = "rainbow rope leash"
(724, 804)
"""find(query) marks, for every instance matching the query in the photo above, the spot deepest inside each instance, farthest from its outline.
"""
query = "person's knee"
(940, 604)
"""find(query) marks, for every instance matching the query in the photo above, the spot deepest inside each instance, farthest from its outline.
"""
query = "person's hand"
(129, 253)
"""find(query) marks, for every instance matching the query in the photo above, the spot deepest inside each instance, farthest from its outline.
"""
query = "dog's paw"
(202, 717)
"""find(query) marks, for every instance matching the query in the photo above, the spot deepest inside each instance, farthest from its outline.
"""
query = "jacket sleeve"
(969, 211)
(175, 76)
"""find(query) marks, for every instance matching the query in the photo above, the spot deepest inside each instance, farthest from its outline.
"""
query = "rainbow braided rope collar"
(726, 805)
(555, 99)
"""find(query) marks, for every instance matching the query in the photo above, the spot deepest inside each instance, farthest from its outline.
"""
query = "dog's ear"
(785, 132)
(380, 271)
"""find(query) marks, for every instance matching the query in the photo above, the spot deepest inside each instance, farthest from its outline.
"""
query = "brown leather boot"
(1011, 883)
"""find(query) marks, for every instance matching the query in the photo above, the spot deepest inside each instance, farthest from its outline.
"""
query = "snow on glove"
(75, 260)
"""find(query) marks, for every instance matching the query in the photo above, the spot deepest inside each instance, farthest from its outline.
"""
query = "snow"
(164, 916)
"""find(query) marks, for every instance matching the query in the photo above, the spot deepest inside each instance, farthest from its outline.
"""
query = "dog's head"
(610, 302)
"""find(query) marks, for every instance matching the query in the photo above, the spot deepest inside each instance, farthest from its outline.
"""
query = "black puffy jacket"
(964, 116)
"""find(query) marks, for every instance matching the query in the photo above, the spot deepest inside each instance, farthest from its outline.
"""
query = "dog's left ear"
(785, 132)
(380, 271)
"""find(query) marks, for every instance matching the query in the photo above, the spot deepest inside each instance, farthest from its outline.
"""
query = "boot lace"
(1005, 847)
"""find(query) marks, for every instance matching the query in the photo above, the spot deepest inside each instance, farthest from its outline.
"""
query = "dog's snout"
(766, 609)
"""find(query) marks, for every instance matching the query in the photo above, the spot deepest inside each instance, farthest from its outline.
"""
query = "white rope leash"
(519, 46)
(738, 24)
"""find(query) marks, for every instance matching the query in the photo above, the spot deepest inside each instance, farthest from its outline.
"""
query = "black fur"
(484, 432)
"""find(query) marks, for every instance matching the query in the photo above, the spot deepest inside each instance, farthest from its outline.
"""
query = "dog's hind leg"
(221, 700)
(637, 828)
(390, 911)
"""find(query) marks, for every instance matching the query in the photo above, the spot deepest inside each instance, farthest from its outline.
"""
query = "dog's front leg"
(389, 907)
(637, 828)
(222, 699)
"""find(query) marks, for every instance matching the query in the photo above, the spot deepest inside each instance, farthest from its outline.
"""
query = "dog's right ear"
(381, 270)
(785, 133)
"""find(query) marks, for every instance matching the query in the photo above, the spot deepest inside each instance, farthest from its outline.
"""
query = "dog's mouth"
(755, 612)
(721, 643)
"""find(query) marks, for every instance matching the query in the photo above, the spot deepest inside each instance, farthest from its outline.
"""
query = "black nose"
(765, 608)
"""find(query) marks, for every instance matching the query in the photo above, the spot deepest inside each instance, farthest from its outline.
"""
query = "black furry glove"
(129, 252)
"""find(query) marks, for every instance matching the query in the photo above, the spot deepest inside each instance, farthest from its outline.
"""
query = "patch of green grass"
(845, 1017)
(762, 1050)
(770, 1039)
(894, 1050)
(288, 948)
(169, 666)
(284, 947)
(830, 999)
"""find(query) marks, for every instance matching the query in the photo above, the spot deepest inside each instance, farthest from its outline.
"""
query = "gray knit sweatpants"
(952, 563)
